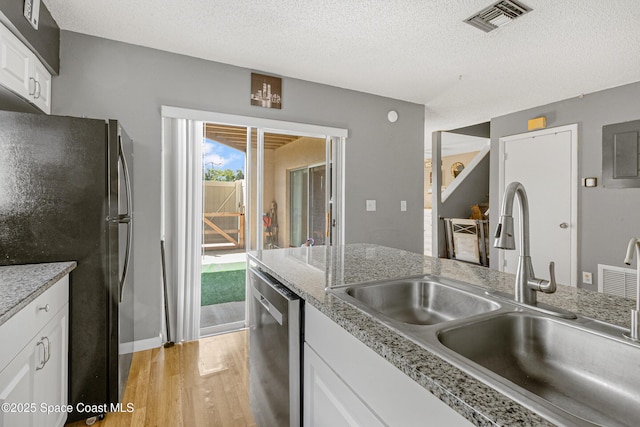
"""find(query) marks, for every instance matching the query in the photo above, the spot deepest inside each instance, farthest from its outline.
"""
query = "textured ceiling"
(415, 50)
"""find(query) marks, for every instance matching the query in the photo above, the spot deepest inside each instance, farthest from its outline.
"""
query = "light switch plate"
(403, 205)
(371, 205)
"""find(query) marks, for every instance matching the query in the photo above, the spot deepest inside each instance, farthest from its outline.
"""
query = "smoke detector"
(497, 15)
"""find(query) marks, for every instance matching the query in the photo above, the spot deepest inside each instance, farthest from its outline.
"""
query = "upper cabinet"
(42, 86)
(22, 72)
(44, 41)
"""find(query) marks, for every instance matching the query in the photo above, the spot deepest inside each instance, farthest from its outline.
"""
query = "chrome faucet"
(526, 283)
(634, 243)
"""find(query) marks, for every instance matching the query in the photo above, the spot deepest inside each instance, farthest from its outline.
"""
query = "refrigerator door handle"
(126, 217)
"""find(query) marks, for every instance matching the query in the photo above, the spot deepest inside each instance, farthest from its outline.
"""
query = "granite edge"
(65, 268)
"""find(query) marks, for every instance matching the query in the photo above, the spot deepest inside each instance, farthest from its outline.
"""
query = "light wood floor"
(197, 383)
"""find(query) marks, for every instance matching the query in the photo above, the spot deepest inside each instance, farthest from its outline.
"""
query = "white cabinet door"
(328, 401)
(15, 64)
(50, 380)
(22, 72)
(37, 376)
(36, 361)
(16, 391)
(42, 90)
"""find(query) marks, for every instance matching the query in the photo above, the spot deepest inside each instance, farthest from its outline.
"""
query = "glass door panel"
(224, 206)
(298, 206)
(317, 204)
(287, 200)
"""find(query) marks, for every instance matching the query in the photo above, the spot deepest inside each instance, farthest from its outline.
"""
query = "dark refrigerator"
(65, 194)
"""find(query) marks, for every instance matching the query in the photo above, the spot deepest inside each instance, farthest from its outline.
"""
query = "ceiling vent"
(497, 15)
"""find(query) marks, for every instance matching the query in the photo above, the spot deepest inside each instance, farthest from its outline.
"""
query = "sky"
(222, 156)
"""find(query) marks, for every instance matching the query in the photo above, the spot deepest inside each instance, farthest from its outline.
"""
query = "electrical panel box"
(621, 155)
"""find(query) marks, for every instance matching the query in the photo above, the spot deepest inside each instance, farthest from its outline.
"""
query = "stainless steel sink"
(573, 371)
(587, 374)
(419, 301)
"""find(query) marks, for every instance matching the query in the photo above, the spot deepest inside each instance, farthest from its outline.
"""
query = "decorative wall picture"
(266, 91)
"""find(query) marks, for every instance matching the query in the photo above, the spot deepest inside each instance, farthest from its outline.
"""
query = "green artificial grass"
(222, 283)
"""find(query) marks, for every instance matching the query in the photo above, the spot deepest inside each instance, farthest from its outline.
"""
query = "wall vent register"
(617, 281)
(497, 15)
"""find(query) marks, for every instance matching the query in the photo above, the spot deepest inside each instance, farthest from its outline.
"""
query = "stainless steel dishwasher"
(275, 356)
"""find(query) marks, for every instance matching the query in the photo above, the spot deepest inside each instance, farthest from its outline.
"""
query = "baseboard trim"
(140, 345)
(221, 329)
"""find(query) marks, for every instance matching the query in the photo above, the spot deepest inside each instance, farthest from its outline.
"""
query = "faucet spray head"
(504, 233)
(630, 248)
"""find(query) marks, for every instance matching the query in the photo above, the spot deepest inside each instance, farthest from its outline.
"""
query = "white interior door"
(545, 162)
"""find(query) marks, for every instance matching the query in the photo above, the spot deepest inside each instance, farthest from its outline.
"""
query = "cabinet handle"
(44, 308)
(37, 90)
(46, 352)
(43, 360)
(47, 349)
(31, 79)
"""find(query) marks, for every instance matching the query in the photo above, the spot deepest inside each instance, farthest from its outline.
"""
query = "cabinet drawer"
(20, 329)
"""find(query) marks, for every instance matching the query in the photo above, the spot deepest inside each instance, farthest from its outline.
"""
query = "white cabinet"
(16, 390)
(41, 86)
(50, 375)
(33, 373)
(22, 72)
(15, 63)
(347, 383)
(328, 401)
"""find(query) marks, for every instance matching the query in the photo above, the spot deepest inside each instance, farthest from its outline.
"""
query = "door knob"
(564, 225)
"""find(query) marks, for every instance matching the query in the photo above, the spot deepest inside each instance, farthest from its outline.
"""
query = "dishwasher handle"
(271, 309)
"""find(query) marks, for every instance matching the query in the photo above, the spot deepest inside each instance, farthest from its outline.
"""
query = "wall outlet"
(371, 205)
(587, 278)
(403, 205)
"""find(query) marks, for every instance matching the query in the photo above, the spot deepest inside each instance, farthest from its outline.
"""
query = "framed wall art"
(266, 91)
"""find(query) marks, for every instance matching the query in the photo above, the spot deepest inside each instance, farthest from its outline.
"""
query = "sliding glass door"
(231, 209)
(308, 206)
(294, 202)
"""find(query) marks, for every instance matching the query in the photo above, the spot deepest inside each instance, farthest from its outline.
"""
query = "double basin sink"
(574, 372)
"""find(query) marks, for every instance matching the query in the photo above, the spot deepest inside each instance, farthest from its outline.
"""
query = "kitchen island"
(308, 271)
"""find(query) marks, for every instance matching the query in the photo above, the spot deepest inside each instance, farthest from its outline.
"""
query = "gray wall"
(106, 79)
(607, 217)
(482, 130)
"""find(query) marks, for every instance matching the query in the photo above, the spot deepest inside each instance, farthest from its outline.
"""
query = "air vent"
(617, 281)
(497, 15)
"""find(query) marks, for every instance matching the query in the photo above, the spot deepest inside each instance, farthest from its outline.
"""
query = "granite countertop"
(21, 284)
(309, 270)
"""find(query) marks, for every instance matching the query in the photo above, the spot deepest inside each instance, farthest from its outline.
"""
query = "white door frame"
(573, 128)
